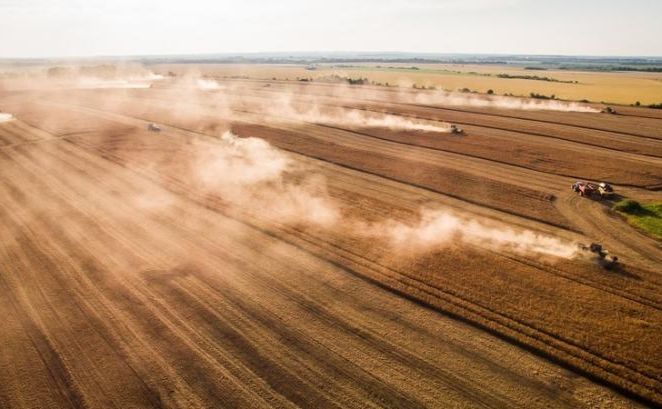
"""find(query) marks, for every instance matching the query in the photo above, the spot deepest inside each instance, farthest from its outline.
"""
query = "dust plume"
(104, 76)
(208, 85)
(130, 81)
(284, 109)
(6, 117)
(438, 228)
(96, 83)
(252, 175)
(452, 99)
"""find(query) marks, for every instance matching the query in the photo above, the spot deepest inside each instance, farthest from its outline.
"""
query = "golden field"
(610, 87)
(293, 244)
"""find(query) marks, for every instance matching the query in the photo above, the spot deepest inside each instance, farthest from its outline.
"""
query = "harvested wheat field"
(283, 244)
(612, 87)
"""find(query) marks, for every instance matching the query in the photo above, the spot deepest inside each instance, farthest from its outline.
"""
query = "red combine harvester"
(587, 189)
(584, 188)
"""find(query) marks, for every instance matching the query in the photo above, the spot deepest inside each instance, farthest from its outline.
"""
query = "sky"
(75, 28)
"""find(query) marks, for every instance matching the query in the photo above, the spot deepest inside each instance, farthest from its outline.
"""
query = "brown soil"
(124, 283)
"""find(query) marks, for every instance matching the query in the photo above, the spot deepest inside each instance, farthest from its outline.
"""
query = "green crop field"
(645, 216)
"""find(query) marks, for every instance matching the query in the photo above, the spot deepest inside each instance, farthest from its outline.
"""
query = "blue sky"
(42, 28)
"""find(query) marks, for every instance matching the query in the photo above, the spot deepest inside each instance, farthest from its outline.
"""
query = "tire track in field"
(319, 310)
(596, 222)
(391, 109)
(136, 301)
(382, 350)
(340, 265)
(626, 156)
(613, 372)
(630, 153)
(511, 175)
(484, 113)
(382, 346)
(591, 128)
(529, 177)
(42, 256)
(508, 327)
(616, 288)
(47, 353)
(526, 183)
(643, 300)
(455, 152)
(45, 300)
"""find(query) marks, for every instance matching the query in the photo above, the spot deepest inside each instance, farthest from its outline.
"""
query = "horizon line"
(322, 53)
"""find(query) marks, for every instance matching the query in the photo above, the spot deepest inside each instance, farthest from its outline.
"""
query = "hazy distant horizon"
(62, 29)
(367, 55)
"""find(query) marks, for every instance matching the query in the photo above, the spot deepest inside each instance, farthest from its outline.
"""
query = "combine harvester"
(605, 260)
(456, 130)
(608, 110)
(586, 189)
(153, 128)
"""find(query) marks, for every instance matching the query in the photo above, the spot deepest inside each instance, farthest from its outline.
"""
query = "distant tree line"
(338, 79)
(541, 96)
(536, 78)
(608, 68)
(390, 67)
(100, 71)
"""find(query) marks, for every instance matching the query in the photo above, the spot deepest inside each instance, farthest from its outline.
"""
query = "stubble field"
(611, 87)
(280, 244)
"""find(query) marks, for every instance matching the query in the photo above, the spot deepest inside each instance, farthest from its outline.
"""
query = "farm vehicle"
(604, 259)
(456, 129)
(587, 189)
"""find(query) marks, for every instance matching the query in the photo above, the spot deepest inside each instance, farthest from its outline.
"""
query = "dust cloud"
(129, 81)
(453, 99)
(103, 76)
(285, 109)
(438, 228)
(6, 117)
(250, 173)
(253, 175)
(208, 85)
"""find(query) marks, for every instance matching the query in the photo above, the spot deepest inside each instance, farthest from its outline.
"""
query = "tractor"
(608, 110)
(153, 128)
